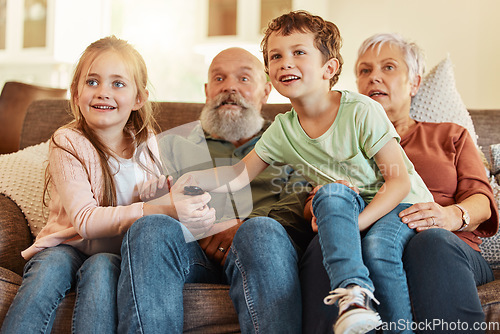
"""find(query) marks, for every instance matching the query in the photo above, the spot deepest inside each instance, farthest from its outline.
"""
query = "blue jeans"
(50, 275)
(443, 272)
(261, 268)
(373, 261)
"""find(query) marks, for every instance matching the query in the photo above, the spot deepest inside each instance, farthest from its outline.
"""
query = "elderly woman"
(443, 263)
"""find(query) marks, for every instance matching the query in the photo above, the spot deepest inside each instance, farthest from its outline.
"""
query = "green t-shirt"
(344, 152)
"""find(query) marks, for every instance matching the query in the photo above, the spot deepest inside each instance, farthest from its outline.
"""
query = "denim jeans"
(372, 261)
(443, 272)
(49, 276)
(261, 268)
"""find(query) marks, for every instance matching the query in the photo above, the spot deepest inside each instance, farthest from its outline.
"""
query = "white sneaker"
(355, 313)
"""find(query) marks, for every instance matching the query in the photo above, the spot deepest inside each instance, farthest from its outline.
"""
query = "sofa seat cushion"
(209, 309)
(490, 300)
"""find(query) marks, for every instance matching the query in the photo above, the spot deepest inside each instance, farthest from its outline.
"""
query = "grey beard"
(228, 126)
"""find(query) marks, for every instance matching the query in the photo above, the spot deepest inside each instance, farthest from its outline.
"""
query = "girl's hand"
(152, 184)
(423, 216)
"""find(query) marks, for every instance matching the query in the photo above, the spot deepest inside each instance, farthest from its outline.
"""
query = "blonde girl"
(96, 176)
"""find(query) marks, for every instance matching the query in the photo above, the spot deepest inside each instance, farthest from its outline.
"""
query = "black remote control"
(193, 190)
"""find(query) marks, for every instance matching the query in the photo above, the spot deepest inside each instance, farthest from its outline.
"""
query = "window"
(35, 24)
(3, 23)
(222, 17)
(269, 9)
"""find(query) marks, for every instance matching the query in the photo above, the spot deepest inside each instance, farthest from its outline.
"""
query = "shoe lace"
(349, 296)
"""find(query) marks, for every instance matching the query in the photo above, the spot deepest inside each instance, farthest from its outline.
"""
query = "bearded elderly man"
(256, 257)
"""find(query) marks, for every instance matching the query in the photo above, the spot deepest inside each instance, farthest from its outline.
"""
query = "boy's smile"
(288, 78)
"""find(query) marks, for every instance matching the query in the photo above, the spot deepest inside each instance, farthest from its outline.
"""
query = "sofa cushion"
(22, 178)
(438, 100)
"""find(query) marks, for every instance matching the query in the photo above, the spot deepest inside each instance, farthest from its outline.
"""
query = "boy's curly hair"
(327, 36)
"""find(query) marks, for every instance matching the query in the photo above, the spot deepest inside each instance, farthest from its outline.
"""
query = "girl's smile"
(107, 94)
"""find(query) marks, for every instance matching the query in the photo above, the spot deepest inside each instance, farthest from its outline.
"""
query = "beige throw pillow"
(22, 178)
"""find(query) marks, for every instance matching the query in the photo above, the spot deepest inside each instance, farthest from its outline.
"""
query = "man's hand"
(216, 246)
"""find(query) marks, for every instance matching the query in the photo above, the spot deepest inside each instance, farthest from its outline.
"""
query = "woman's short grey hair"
(412, 53)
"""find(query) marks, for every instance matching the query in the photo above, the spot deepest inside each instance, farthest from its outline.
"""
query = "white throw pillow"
(438, 100)
(22, 178)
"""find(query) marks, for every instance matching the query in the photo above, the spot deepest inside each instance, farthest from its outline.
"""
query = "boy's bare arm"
(395, 188)
(228, 178)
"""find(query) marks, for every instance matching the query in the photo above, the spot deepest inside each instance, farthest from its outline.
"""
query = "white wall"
(466, 30)
(170, 36)
(169, 33)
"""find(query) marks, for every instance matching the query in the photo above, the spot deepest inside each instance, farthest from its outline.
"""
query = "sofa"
(207, 307)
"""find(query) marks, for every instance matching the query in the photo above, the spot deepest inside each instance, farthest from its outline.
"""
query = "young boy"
(336, 138)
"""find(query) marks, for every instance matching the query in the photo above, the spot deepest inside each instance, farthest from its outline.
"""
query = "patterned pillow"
(438, 100)
(495, 161)
(490, 248)
(22, 178)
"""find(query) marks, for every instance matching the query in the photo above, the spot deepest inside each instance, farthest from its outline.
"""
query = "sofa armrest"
(15, 235)
(9, 284)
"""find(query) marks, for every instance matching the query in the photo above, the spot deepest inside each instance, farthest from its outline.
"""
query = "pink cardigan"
(75, 215)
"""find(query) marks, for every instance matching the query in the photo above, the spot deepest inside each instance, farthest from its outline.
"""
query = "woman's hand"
(423, 216)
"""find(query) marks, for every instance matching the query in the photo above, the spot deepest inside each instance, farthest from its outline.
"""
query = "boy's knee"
(334, 192)
(334, 189)
(381, 248)
(374, 248)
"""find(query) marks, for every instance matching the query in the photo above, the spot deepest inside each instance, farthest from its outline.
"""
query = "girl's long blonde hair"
(141, 122)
